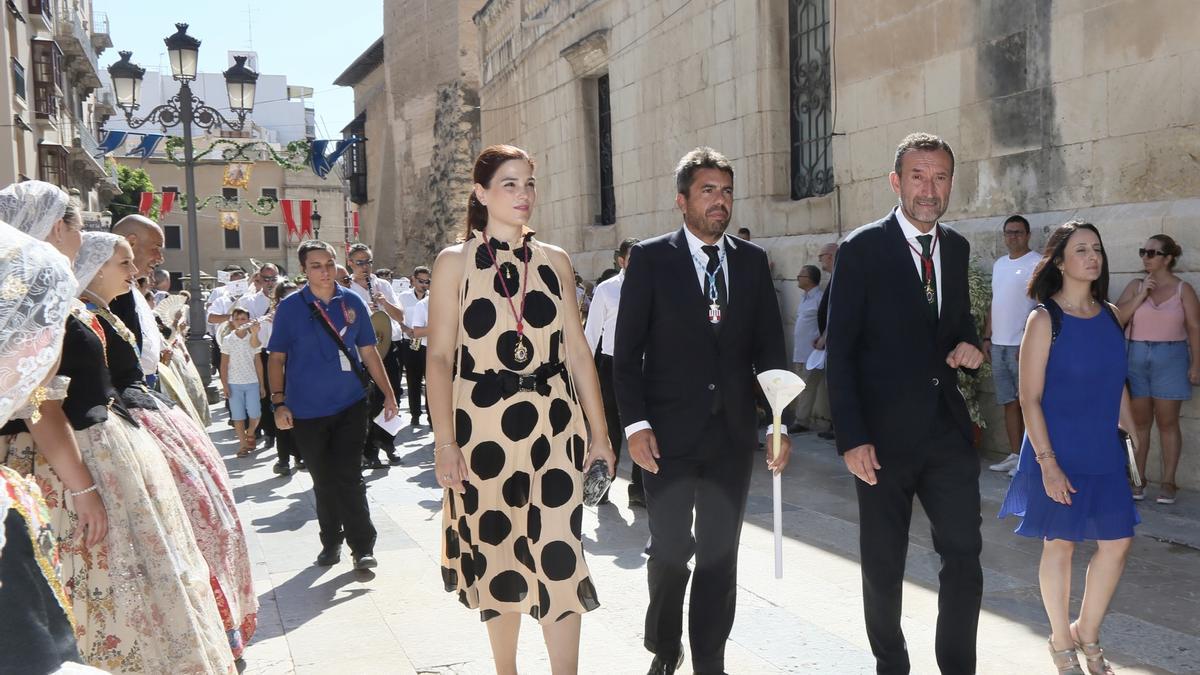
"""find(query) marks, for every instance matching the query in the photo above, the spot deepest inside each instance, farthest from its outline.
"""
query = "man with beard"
(697, 318)
(900, 327)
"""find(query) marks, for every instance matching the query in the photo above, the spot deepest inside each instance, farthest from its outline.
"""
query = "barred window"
(810, 84)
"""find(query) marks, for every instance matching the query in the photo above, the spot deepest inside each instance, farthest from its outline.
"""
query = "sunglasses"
(344, 280)
(364, 263)
(269, 280)
(1150, 253)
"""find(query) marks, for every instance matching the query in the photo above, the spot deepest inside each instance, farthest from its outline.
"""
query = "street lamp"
(316, 221)
(184, 108)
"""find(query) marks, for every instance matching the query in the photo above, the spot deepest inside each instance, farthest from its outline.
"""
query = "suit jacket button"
(712, 387)
(936, 382)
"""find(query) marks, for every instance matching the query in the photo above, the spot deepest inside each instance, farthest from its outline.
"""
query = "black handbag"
(354, 364)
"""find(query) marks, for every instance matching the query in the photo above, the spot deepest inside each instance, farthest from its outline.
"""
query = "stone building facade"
(1082, 109)
(51, 99)
(259, 237)
(416, 96)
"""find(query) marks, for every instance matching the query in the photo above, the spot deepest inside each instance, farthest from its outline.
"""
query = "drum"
(382, 324)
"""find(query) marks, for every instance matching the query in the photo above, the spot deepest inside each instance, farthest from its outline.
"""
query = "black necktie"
(715, 271)
(928, 275)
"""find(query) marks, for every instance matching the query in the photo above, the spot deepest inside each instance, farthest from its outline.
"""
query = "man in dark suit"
(146, 239)
(900, 327)
(698, 317)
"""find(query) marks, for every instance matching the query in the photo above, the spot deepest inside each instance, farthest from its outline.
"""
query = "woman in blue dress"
(1071, 483)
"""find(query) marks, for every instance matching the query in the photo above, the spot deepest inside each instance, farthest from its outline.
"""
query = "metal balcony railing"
(76, 43)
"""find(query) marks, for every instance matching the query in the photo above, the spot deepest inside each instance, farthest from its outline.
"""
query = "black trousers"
(616, 433)
(393, 365)
(414, 369)
(285, 444)
(331, 447)
(944, 475)
(266, 422)
(714, 480)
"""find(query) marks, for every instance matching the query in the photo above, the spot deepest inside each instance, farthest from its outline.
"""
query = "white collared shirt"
(407, 301)
(383, 288)
(420, 317)
(910, 234)
(805, 331)
(700, 258)
(256, 303)
(601, 327)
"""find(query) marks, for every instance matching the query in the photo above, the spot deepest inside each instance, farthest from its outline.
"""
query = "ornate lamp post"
(185, 109)
(316, 221)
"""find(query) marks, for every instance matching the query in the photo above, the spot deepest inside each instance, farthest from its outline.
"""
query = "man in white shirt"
(601, 333)
(1005, 327)
(415, 367)
(408, 359)
(379, 296)
(258, 303)
(804, 336)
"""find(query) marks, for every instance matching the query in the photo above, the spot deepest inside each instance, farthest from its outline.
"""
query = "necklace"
(1091, 302)
(520, 352)
(116, 323)
(714, 307)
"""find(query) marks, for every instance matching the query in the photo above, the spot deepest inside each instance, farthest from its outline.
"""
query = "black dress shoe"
(797, 429)
(665, 665)
(365, 561)
(637, 499)
(282, 469)
(329, 556)
(394, 460)
(373, 463)
(301, 466)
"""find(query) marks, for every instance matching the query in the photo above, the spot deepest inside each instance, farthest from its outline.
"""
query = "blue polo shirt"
(316, 384)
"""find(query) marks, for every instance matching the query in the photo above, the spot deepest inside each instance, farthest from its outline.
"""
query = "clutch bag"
(1130, 456)
(596, 483)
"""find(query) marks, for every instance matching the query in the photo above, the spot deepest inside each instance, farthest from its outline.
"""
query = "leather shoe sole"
(365, 562)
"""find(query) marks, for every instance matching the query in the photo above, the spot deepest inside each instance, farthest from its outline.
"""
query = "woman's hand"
(600, 448)
(1194, 375)
(1058, 487)
(93, 519)
(451, 467)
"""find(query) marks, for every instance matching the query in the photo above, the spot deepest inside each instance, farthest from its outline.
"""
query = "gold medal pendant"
(521, 353)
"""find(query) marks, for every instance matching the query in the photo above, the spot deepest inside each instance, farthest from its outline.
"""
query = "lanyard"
(330, 321)
(926, 261)
(702, 267)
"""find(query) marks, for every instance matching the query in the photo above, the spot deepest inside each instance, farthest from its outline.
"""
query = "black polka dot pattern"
(557, 488)
(479, 318)
(517, 528)
(516, 490)
(494, 527)
(560, 416)
(546, 272)
(487, 460)
(539, 309)
(509, 586)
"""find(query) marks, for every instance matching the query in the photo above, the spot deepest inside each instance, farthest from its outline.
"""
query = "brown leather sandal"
(1092, 654)
(1066, 661)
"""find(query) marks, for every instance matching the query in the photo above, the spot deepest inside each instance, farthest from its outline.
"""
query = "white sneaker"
(1012, 473)
(1007, 464)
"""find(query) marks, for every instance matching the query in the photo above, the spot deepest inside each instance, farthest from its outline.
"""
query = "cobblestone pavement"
(398, 619)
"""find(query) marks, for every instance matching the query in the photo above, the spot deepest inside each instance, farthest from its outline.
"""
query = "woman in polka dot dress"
(508, 370)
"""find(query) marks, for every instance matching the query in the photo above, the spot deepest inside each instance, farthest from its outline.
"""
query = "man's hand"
(965, 355)
(643, 448)
(283, 417)
(390, 408)
(164, 357)
(262, 391)
(778, 461)
(862, 463)
(225, 389)
(819, 343)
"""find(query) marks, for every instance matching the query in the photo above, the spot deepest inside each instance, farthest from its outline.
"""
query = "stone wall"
(1083, 108)
(427, 130)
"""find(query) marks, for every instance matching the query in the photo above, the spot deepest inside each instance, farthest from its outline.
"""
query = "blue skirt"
(1101, 509)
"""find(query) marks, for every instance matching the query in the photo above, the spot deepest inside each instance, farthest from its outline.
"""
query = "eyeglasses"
(1150, 253)
(364, 263)
(344, 280)
(269, 280)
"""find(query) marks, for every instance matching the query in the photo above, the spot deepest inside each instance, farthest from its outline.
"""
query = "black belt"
(510, 383)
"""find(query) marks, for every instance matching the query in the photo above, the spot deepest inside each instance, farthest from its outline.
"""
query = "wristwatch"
(279, 394)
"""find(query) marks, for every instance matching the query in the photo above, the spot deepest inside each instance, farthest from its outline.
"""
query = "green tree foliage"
(132, 182)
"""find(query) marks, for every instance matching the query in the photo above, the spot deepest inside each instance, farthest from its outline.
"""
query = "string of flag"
(319, 155)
